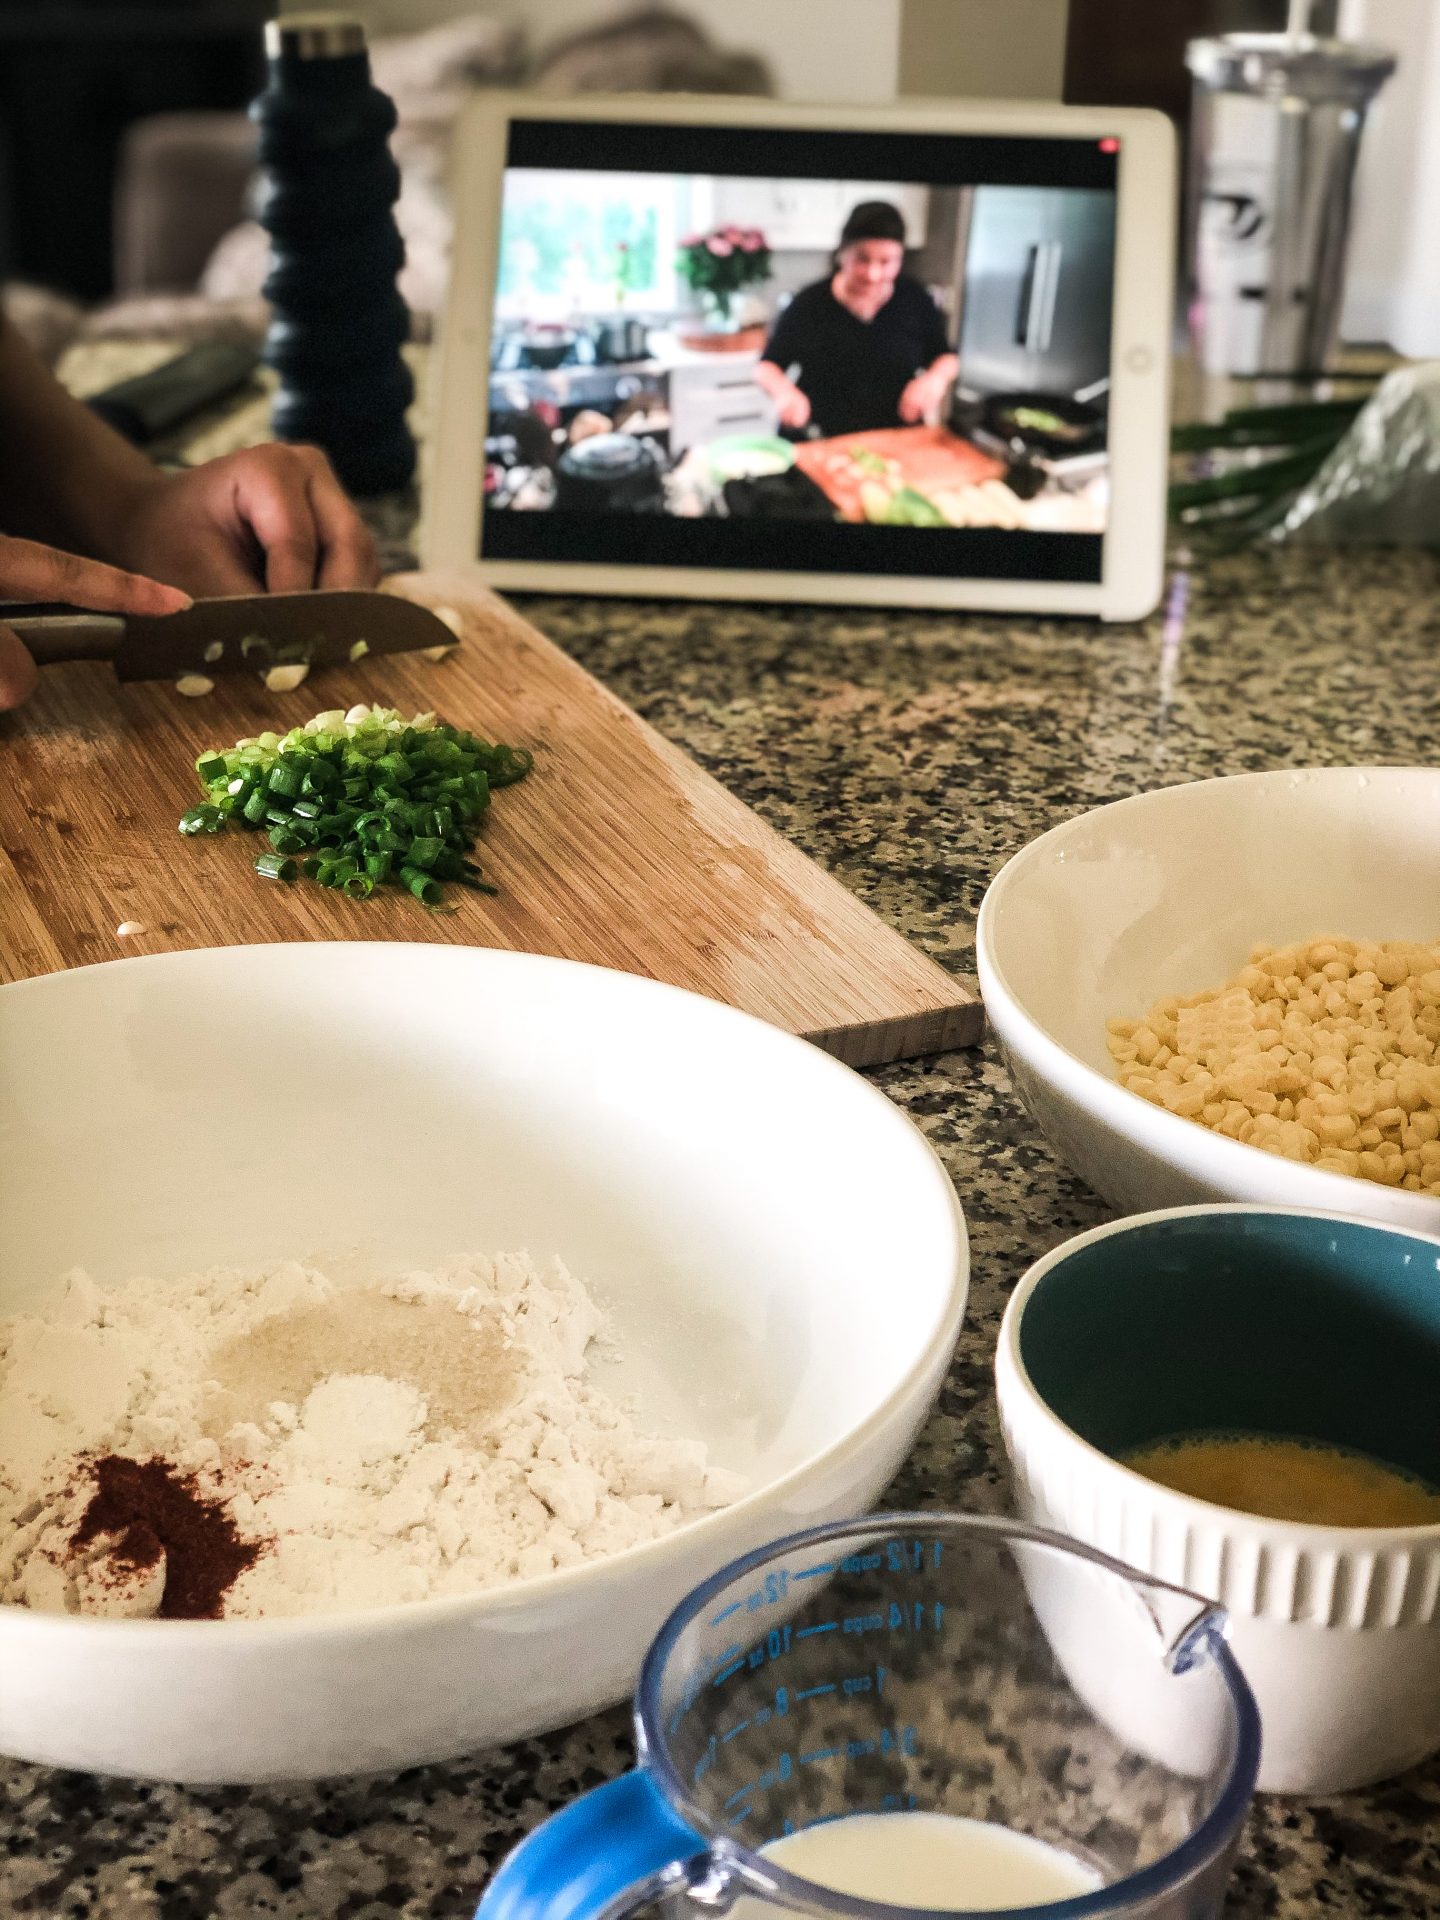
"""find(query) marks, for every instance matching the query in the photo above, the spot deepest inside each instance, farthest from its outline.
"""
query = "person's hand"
(30, 571)
(269, 519)
(18, 672)
(919, 399)
(792, 406)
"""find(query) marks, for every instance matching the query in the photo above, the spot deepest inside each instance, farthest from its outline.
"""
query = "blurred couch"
(190, 261)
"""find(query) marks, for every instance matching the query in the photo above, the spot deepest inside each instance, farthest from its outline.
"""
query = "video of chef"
(786, 367)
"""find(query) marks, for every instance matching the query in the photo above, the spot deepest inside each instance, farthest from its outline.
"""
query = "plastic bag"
(1380, 484)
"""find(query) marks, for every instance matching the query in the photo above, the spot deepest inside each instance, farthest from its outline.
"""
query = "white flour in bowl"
(346, 1446)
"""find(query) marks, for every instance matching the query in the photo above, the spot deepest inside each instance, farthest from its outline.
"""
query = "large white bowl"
(1165, 894)
(782, 1254)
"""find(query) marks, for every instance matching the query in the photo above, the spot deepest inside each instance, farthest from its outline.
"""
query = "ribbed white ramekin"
(1337, 1629)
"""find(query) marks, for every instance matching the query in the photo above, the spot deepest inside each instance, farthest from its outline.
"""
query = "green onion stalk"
(1246, 496)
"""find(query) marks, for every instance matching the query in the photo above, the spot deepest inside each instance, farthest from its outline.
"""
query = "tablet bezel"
(1133, 551)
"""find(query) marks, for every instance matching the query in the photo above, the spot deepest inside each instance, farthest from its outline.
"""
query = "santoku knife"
(245, 634)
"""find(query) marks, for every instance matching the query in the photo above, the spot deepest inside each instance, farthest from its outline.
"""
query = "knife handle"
(55, 634)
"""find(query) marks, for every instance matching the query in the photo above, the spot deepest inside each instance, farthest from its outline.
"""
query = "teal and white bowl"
(1253, 1320)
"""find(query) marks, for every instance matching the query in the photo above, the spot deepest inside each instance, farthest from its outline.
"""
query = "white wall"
(984, 49)
(1392, 288)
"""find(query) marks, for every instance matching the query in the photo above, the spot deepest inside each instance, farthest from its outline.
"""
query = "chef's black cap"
(873, 220)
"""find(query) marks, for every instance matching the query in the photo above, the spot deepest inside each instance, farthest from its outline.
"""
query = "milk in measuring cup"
(925, 1860)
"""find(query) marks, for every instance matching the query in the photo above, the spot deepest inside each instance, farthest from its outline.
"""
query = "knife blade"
(248, 633)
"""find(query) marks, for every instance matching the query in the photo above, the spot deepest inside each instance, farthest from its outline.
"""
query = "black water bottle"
(327, 197)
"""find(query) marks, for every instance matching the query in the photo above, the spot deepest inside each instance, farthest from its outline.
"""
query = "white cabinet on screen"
(715, 394)
(807, 215)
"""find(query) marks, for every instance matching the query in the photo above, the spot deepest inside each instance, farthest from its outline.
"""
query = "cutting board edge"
(910, 1036)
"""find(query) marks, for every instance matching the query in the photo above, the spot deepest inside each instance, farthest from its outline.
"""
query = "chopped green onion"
(202, 819)
(514, 764)
(286, 776)
(365, 797)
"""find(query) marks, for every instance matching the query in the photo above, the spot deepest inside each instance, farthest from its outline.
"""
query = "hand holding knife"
(149, 631)
(242, 633)
(271, 516)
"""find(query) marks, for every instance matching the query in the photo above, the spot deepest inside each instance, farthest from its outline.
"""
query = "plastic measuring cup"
(933, 1662)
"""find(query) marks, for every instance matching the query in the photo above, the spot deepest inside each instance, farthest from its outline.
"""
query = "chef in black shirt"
(864, 348)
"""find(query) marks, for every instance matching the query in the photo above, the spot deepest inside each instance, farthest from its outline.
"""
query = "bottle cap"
(313, 36)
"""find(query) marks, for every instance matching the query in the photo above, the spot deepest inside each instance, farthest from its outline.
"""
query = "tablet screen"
(802, 350)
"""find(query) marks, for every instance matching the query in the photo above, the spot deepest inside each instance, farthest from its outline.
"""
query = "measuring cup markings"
(899, 1557)
(841, 1745)
(850, 1685)
(914, 1556)
(902, 1739)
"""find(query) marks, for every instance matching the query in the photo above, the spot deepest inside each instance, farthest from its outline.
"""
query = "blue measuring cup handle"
(611, 1839)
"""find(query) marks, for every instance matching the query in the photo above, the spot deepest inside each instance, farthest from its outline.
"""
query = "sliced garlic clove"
(285, 679)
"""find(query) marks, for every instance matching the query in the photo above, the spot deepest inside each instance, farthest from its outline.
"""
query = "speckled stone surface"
(909, 754)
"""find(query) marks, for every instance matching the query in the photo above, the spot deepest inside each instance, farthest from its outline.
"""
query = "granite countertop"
(910, 754)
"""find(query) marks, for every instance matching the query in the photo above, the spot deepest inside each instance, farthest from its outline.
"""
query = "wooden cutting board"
(927, 457)
(617, 849)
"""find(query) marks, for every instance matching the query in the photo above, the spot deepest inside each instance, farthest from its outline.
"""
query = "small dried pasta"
(1327, 1052)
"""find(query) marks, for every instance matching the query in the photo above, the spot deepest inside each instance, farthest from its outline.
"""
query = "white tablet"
(913, 355)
